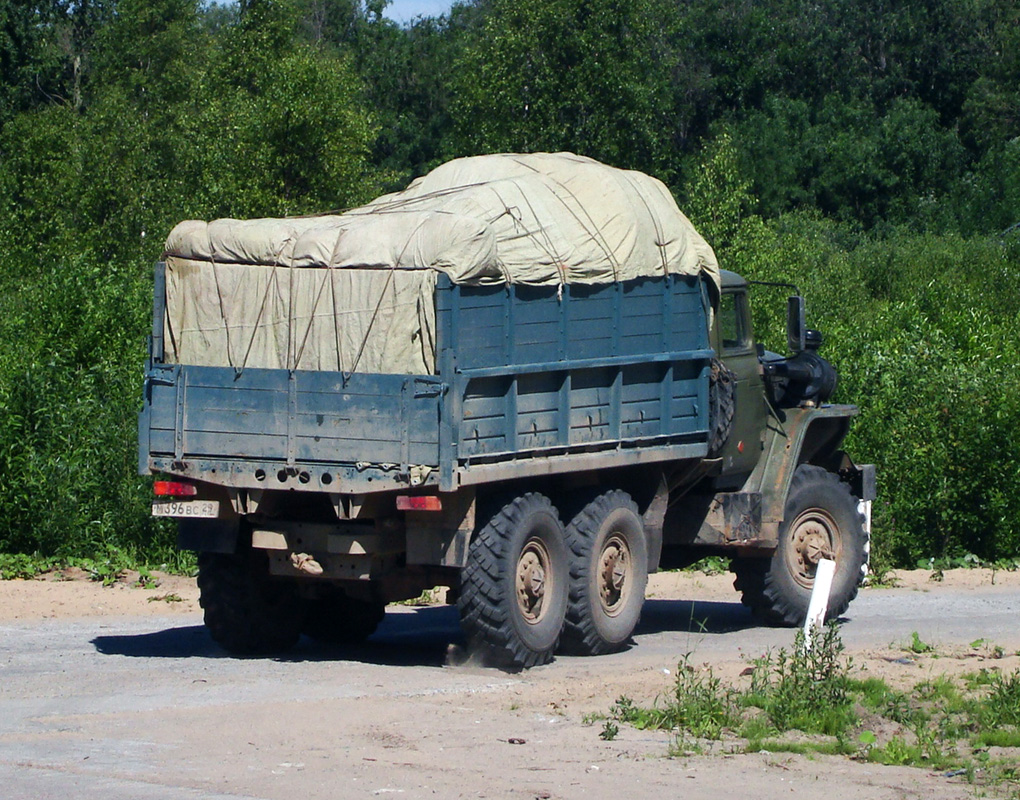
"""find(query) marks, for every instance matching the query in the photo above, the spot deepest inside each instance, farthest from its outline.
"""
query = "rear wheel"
(821, 520)
(514, 588)
(608, 575)
(246, 611)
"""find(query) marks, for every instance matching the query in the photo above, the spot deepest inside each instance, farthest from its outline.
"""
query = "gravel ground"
(118, 692)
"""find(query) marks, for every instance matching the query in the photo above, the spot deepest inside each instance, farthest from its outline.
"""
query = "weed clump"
(1002, 705)
(807, 700)
(699, 707)
(806, 688)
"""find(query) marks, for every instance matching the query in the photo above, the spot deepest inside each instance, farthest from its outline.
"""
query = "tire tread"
(580, 633)
(483, 605)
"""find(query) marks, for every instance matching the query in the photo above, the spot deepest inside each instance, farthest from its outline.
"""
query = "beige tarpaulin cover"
(354, 291)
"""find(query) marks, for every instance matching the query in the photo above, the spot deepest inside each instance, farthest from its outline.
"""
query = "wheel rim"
(614, 575)
(534, 581)
(814, 535)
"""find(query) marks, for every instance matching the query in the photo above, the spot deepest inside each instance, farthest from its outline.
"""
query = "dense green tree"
(20, 27)
(566, 75)
(408, 74)
(852, 161)
(405, 73)
(849, 146)
(991, 111)
(170, 120)
(289, 113)
(152, 50)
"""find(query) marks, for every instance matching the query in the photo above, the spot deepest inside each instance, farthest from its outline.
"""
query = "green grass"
(998, 738)
(808, 701)
(1002, 706)
(873, 693)
(107, 568)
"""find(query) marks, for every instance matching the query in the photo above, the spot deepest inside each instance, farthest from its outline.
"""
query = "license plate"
(186, 508)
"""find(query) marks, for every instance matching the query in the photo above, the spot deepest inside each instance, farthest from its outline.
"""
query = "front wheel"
(514, 588)
(820, 520)
(608, 575)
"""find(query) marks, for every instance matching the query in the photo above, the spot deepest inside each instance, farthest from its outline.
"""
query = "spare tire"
(722, 401)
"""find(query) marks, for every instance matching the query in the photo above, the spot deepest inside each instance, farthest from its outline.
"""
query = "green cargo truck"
(523, 378)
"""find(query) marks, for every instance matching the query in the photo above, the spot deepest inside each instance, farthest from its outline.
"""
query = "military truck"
(523, 378)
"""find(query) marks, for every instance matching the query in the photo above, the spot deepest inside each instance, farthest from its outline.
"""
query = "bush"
(165, 125)
(925, 335)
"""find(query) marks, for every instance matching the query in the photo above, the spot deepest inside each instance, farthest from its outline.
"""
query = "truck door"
(735, 345)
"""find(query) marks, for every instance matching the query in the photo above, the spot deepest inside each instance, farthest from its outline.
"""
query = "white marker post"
(819, 598)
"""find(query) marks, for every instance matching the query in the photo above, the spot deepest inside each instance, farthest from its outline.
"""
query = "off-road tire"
(820, 513)
(339, 619)
(513, 595)
(608, 575)
(722, 401)
(246, 611)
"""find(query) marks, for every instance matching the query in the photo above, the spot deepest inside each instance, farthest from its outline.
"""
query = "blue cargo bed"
(531, 380)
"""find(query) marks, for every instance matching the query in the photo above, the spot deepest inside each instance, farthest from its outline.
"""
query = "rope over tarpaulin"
(541, 220)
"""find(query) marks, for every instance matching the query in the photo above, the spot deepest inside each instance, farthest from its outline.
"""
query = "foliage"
(1002, 705)
(168, 121)
(710, 565)
(851, 159)
(107, 569)
(23, 566)
(720, 198)
(869, 153)
(591, 76)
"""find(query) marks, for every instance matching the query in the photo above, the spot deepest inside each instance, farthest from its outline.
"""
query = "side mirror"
(796, 325)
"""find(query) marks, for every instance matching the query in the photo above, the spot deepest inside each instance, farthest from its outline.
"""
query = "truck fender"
(795, 436)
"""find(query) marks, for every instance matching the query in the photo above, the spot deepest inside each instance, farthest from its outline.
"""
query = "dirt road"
(119, 693)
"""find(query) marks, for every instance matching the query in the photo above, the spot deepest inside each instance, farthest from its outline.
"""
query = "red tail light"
(419, 503)
(174, 489)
